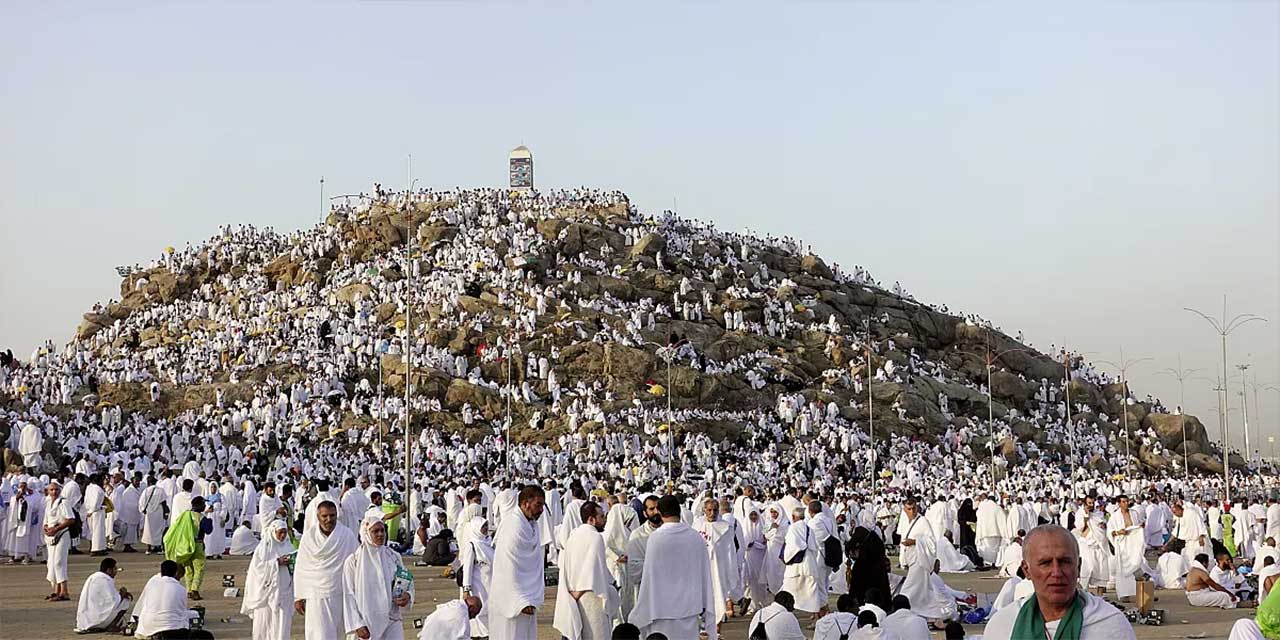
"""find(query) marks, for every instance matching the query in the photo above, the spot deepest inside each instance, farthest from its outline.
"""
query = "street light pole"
(989, 359)
(871, 421)
(408, 362)
(1181, 375)
(1124, 366)
(1244, 404)
(1224, 328)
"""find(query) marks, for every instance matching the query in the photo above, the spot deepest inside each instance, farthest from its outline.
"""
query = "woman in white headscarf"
(476, 559)
(753, 568)
(372, 598)
(775, 530)
(268, 589)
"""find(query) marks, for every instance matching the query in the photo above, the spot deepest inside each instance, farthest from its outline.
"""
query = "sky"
(1079, 172)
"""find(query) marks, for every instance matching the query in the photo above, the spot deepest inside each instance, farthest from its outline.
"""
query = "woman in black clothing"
(868, 566)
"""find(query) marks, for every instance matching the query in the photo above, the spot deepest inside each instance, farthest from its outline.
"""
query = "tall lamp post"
(871, 421)
(989, 360)
(1224, 328)
(1124, 366)
(408, 360)
(1181, 376)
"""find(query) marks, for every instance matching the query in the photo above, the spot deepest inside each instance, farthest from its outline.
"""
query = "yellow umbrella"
(657, 389)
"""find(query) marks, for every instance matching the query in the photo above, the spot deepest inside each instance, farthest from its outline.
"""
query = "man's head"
(651, 511)
(626, 631)
(899, 603)
(846, 603)
(473, 606)
(711, 509)
(375, 498)
(1123, 501)
(169, 569)
(592, 515)
(867, 619)
(1051, 560)
(797, 514)
(1224, 560)
(669, 508)
(327, 517)
(910, 508)
(197, 504)
(815, 507)
(269, 489)
(474, 496)
(53, 491)
(187, 485)
(532, 500)
(785, 599)
(108, 566)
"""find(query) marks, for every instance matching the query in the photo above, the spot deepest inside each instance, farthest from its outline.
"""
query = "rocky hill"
(607, 268)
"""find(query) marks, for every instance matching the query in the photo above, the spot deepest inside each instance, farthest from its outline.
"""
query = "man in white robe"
(989, 533)
(720, 551)
(586, 600)
(917, 551)
(675, 596)
(318, 577)
(23, 522)
(804, 569)
(620, 522)
(1051, 560)
(128, 515)
(102, 605)
(778, 620)
(1203, 591)
(374, 592)
(30, 445)
(152, 505)
(637, 545)
(57, 520)
(243, 542)
(951, 560)
(95, 513)
(1188, 526)
(518, 582)
(162, 605)
(1172, 567)
(451, 620)
(1128, 538)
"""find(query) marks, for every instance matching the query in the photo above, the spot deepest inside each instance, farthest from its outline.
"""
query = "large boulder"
(814, 266)
(1169, 429)
(649, 245)
(352, 292)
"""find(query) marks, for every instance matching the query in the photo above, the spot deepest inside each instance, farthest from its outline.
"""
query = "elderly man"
(102, 605)
(318, 574)
(1051, 560)
(451, 620)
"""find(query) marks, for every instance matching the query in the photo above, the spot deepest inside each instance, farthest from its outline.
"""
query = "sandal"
(60, 599)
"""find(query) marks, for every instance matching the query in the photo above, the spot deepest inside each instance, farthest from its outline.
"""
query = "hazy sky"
(1079, 173)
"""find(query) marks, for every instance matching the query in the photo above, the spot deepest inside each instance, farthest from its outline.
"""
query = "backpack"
(844, 633)
(759, 632)
(799, 557)
(832, 553)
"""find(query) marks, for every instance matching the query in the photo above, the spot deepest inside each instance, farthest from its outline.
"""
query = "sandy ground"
(24, 614)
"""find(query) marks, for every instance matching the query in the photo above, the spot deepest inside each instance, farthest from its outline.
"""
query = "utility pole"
(408, 362)
(871, 422)
(1224, 328)
(1244, 404)
(1181, 375)
(1124, 366)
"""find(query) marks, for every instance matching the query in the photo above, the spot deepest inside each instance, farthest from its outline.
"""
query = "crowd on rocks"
(260, 378)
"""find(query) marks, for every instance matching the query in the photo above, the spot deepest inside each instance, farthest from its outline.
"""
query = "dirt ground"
(24, 614)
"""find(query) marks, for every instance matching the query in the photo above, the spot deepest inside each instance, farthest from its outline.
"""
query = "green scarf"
(1268, 617)
(1030, 624)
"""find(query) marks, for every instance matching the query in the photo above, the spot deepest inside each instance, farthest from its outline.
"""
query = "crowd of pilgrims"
(124, 477)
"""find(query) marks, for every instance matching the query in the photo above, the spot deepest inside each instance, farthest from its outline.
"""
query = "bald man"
(1051, 561)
